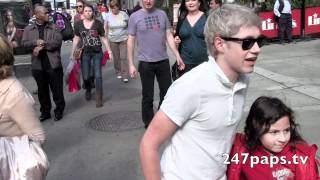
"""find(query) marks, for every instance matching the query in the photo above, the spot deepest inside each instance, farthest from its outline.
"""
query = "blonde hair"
(6, 58)
(226, 21)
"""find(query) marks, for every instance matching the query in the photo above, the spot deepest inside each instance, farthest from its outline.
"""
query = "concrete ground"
(78, 152)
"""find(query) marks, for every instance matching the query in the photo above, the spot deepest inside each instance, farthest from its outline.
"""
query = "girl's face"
(192, 5)
(9, 15)
(278, 136)
(115, 10)
(88, 13)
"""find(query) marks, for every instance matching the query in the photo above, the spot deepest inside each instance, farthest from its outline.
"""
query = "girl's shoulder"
(240, 139)
(305, 148)
(239, 144)
(97, 24)
(204, 16)
(79, 23)
(123, 13)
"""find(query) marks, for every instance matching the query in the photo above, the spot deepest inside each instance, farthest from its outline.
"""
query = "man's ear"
(218, 44)
(36, 15)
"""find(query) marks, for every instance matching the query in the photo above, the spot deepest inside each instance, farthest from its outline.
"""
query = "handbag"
(77, 53)
(176, 72)
(22, 159)
(74, 77)
(105, 58)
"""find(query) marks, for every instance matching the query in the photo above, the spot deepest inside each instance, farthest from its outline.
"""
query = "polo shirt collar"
(240, 84)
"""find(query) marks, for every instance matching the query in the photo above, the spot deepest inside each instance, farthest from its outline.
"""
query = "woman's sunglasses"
(79, 6)
(247, 43)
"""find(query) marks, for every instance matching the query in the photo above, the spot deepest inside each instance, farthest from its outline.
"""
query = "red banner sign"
(312, 20)
(269, 27)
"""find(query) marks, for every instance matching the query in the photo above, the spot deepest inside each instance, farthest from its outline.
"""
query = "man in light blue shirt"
(282, 9)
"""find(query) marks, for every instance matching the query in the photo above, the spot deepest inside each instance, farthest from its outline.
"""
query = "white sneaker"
(125, 80)
(119, 76)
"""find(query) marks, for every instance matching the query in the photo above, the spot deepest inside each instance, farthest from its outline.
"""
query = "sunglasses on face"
(247, 43)
(79, 6)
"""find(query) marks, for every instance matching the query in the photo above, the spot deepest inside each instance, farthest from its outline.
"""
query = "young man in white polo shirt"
(202, 109)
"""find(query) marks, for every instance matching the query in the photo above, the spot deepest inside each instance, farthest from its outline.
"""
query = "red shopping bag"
(74, 78)
(105, 58)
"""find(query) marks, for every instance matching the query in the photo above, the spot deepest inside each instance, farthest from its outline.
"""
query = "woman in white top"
(21, 133)
(116, 26)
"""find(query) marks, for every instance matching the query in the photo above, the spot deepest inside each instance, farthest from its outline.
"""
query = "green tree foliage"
(166, 8)
(312, 3)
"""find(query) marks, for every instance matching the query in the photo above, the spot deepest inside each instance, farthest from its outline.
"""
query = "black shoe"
(93, 84)
(88, 95)
(44, 117)
(57, 116)
(293, 42)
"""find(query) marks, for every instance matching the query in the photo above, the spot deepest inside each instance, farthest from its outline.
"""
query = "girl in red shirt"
(271, 147)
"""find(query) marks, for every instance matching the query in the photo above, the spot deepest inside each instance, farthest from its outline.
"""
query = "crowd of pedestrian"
(215, 50)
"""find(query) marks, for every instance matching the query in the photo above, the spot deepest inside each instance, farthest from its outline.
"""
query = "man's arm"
(26, 41)
(130, 48)
(276, 8)
(173, 47)
(160, 129)
(54, 43)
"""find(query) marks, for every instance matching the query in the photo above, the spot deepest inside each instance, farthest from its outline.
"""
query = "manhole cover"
(116, 121)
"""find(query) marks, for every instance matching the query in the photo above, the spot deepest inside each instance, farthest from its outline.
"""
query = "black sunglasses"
(247, 43)
(79, 6)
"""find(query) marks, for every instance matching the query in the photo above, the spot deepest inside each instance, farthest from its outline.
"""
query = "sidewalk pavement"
(79, 152)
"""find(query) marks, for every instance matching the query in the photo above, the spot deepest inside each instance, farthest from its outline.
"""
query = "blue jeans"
(89, 59)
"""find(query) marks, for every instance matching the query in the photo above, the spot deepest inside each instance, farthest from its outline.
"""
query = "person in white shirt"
(116, 26)
(201, 110)
(282, 9)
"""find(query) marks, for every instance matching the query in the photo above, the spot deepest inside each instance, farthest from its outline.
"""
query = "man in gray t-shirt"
(151, 28)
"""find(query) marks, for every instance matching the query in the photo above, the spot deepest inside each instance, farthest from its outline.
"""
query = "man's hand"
(40, 42)
(180, 63)
(110, 56)
(132, 71)
(36, 50)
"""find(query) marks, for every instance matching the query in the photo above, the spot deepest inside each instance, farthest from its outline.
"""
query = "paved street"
(77, 151)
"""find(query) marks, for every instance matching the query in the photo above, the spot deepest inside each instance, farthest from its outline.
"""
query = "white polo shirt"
(207, 110)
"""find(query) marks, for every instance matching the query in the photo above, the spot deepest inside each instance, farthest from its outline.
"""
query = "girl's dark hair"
(183, 12)
(264, 112)
(88, 5)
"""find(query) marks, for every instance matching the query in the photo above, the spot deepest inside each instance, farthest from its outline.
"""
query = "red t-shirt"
(283, 170)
